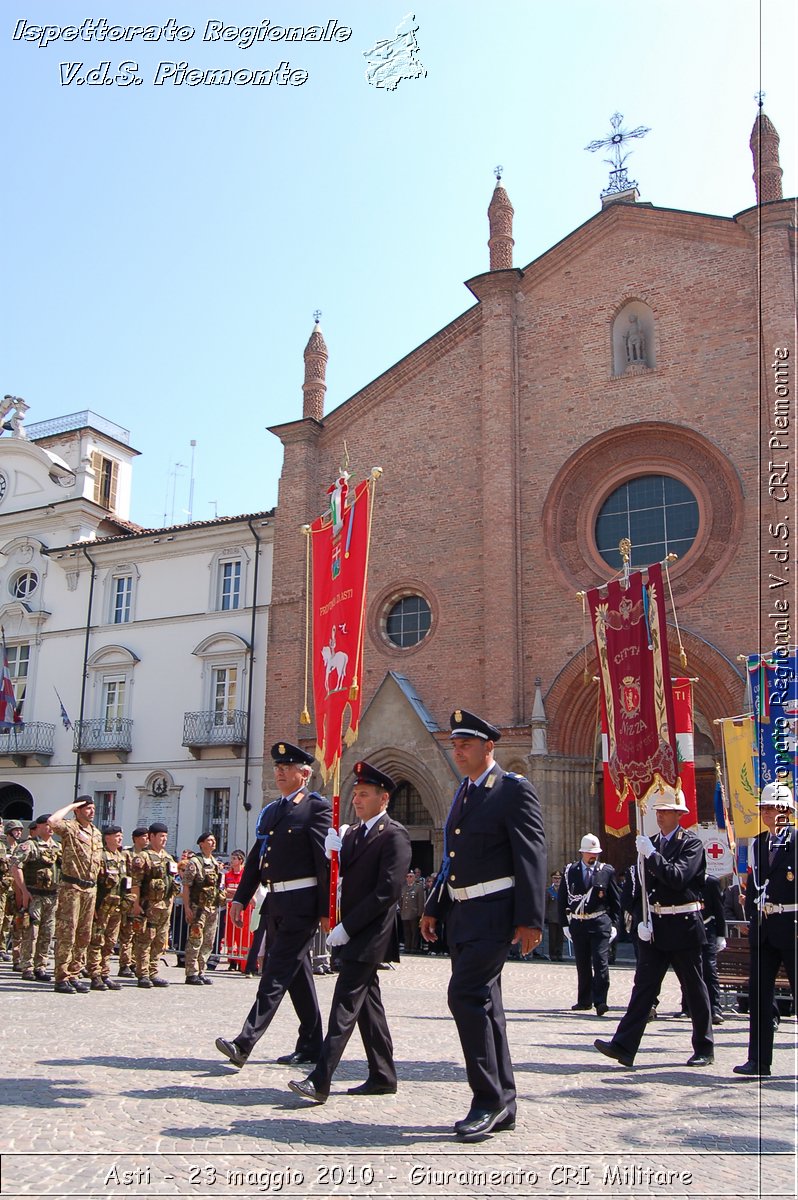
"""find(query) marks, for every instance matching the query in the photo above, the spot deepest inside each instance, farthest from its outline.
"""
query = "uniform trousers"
(73, 920)
(126, 931)
(475, 1002)
(652, 965)
(37, 939)
(591, 942)
(200, 939)
(764, 967)
(151, 937)
(709, 969)
(104, 932)
(286, 969)
(356, 1001)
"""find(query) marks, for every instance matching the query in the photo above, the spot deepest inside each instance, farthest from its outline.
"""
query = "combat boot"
(65, 987)
(28, 975)
(111, 984)
(97, 984)
(125, 973)
(157, 981)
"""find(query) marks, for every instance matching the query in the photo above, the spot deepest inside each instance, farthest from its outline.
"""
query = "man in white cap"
(589, 906)
(771, 908)
(674, 869)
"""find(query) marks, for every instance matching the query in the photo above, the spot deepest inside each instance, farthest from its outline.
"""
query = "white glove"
(332, 842)
(644, 932)
(337, 937)
(567, 933)
(644, 845)
(613, 934)
(720, 944)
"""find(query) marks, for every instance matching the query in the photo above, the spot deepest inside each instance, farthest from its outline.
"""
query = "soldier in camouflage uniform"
(12, 922)
(81, 858)
(111, 886)
(203, 892)
(141, 840)
(154, 885)
(6, 890)
(34, 867)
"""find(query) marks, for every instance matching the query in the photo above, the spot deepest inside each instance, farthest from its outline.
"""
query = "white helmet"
(667, 797)
(776, 795)
(590, 844)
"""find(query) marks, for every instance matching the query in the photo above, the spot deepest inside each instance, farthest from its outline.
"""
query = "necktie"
(466, 789)
(360, 836)
(773, 846)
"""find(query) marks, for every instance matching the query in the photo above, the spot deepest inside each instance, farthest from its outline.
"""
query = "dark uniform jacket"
(498, 834)
(373, 872)
(712, 913)
(778, 883)
(290, 845)
(674, 876)
(603, 896)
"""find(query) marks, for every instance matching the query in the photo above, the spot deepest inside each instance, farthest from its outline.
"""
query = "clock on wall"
(3, 487)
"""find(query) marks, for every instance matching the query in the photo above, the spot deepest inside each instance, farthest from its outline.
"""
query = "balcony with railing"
(105, 735)
(215, 730)
(33, 739)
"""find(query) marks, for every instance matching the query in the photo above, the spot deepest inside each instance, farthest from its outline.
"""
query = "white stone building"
(154, 640)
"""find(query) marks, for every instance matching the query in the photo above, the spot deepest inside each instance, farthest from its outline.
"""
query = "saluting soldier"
(81, 858)
(34, 867)
(771, 908)
(375, 859)
(203, 893)
(140, 840)
(154, 884)
(675, 867)
(589, 907)
(289, 859)
(108, 911)
(490, 891)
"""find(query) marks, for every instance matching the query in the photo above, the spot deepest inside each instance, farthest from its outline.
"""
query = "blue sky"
(169, 245)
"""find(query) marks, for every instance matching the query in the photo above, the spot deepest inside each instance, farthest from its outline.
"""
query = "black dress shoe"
(613, 1051)
(297, 1058)
(601, 1009)
(479, 1123)
(700, 1060)
(751, 1069)
(236, 1055)
(306, 1088)
(373, 1089)
(580, 1007)
(503, 1126)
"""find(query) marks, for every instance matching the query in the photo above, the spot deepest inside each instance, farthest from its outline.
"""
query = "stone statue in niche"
(635, 342)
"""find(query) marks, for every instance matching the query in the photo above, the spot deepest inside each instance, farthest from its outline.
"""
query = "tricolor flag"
(9, 711)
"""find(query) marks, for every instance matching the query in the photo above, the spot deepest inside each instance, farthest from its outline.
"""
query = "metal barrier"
(178, 936)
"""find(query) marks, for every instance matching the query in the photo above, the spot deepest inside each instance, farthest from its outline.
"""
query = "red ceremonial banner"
(685, 746)
(340, 562)
(632, 646)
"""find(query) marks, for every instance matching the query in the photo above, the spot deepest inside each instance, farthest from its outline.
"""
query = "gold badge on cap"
(281, 748)
(458, 714)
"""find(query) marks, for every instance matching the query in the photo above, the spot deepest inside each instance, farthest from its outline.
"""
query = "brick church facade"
(635, 351)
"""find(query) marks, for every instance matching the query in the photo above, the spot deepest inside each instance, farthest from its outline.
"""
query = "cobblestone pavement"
(124, 1094)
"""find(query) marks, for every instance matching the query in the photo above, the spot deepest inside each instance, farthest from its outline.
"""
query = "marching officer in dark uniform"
(675, 867)
(771, 908)
(490, 891)
(375, 858)
(589, 904)
(289, 859)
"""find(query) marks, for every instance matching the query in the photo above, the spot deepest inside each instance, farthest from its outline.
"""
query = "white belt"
(293, 885)
(481, 889)
(769, 909)
(670, 910)
(600, 912)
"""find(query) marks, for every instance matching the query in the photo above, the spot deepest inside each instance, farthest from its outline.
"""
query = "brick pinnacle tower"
(500, 218)
(765, 150)
(314, 386)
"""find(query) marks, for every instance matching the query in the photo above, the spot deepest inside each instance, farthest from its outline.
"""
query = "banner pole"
(336, 820)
